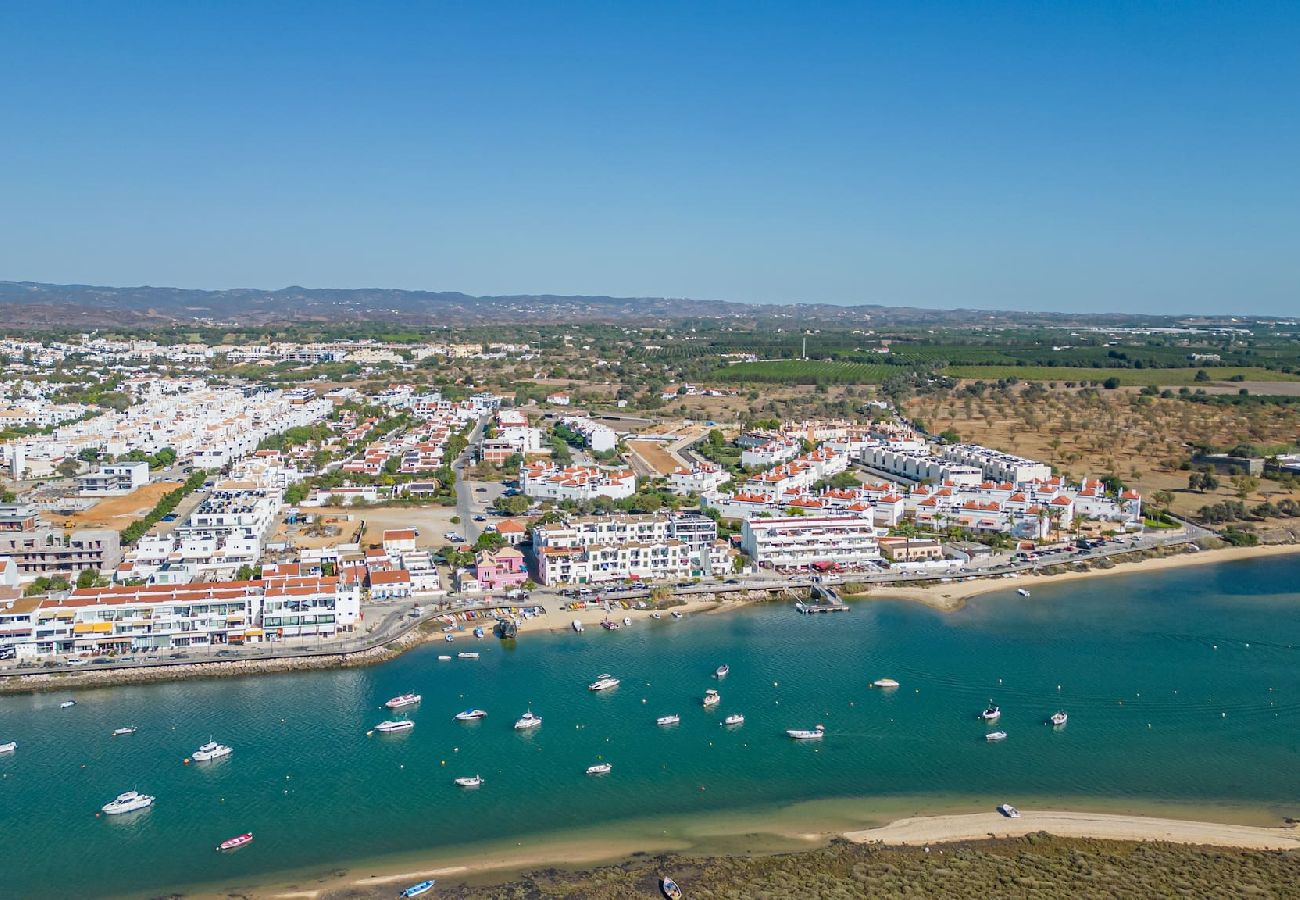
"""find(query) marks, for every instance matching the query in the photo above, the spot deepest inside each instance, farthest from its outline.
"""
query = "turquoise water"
(1181, 686)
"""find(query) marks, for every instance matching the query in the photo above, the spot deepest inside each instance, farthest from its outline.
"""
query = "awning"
(254, 632)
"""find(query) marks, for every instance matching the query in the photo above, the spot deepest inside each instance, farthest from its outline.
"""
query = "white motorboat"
(803, 734)
(884, 683)
(656, 615)
(470, 655)
(734, 719)
(449, 638)
(1009, 811)
(403, 700)
(1058, 719)
(668, 720)
(676, 614)
(67, 704)
(992, 713)
(603, 683)
(993, 736)
(470, 715)
(126, 729)
(391, 725)
(9, 747)
(577, 625)
(627, 620)
(711, 698)
(722, 670)
(473, 781)
(126, 803)
(210, 751)
(1022, 592)
(444, 659)
(527, 721)
(600, 769)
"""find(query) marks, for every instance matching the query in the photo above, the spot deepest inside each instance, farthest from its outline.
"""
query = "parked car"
(75, 661)
(227, 652)
(480, 518)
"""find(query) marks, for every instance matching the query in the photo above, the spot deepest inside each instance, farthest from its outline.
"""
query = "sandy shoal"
(979, 826)
(953, 595)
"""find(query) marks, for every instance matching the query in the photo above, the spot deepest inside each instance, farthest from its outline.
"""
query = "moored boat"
(470, 655)
(722, 670)
(444, 659)
(1058, 719)
(992, 713)
(804, 734)
(656, 615)
(403, 700)
(236, 842)
(994, 736)
(471, 781)
(390, 725)
(470, 715)
(527, 721)
(884, 683)
(600, 769)
(711, 698)
(734, 719)
(479, 632)
(9, 747)
(126, 729)
(210, 751)
(668, 720)
(675, 614)
(670, 889)
(1009, 811)
(416, 890)
(67, 704)
(1022, 592)
(603, 683)
(577, 625)
(126, 803)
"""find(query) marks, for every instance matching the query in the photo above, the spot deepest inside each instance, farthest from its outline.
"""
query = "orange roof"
(397, 576)
(510, 526)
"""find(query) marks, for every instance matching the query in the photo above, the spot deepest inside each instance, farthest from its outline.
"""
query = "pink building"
(501, 570)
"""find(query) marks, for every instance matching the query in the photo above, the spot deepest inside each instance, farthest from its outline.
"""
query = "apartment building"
(52, 551)
(113, 480)
(599, 438)
(546, 481)
(703, 478)
(770, 453)
(995, 465)
(596, 549)
(811, 542)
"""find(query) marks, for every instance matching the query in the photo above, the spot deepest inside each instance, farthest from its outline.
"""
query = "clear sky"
(1086, 155)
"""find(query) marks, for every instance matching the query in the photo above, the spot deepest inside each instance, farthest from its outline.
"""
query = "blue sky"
(1048, 155)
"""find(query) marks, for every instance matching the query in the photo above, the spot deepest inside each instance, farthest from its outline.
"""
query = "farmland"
(803, 371)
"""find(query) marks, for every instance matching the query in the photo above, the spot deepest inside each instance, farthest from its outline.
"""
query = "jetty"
(822, 598)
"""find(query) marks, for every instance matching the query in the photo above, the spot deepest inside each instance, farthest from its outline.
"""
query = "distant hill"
(29, 304)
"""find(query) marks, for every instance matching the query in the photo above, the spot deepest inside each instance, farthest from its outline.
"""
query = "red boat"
(236, 842)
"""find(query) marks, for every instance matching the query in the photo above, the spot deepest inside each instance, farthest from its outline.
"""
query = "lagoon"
(1182, 687)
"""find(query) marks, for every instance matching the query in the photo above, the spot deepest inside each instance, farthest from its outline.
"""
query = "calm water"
(1183, 686)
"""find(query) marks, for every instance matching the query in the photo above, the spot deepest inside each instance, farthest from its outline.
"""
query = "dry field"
(655, 455)
(1142, 440)
(118, 512)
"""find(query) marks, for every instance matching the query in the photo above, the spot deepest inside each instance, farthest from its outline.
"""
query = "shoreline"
(889, 821)
(951, 597)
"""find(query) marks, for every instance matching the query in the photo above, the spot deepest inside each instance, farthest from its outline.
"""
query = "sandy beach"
(979, 826)
(952, 596)
(562, 619)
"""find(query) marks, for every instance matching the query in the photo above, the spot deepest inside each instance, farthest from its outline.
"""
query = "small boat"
(577, 625)
(992, 714)
(600, 769)
(479, 632)
(884, 683)
(993, 736)
(1058, 719)
(627, 620)
(391, 725)
(470, 655)
(676, 615)
(603, 683)
(527, 721)
(670, 888)
(9, 747)
(470, 715)
(1009, 811)
(126, 803)
(67, 704)
(126, 729)
(236, 842)
(610, 625)
(473, 781)
(722, 670)
(656, 615)
(803, 734)
(668, 720)
(449, 638)
(444, 659)
(416, 890)
(711, 698)
(403, 700)
(210, 751)
(1022, 592)
(734, 719)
